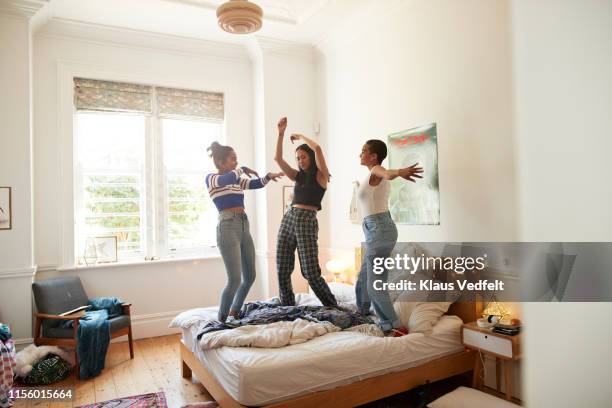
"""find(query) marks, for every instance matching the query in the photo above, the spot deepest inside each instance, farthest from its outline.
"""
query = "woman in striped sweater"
(233, 237)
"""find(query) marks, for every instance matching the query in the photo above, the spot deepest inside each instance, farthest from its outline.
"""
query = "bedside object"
(504, 348)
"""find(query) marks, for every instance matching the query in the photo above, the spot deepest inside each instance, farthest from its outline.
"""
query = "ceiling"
(303, 21)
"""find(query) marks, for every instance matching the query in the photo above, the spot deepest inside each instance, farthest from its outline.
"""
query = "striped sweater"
(226, 190)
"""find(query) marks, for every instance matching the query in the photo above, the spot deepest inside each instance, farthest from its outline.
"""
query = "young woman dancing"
(380, 232)
(299, 227)
(233, 236)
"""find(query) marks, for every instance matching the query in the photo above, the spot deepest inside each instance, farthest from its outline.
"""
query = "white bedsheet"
(259, 376)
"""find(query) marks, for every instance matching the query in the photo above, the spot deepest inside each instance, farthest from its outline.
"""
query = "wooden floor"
(155, 367)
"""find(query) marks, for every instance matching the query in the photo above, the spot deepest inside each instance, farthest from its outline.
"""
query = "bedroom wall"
(410, 64)
(16, 244)
(157, 291)
(289, 88)
(562, 65)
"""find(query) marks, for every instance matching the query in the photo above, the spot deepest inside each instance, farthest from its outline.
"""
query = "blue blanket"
(93, 334)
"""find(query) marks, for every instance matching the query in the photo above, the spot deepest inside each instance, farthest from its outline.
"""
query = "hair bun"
(214, 146)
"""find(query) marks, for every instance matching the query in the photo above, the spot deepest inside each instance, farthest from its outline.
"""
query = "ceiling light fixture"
(239, 17)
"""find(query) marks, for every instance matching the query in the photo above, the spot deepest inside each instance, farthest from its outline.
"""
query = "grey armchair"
(59, 295)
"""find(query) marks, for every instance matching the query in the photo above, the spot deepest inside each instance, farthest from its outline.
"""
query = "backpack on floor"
(49, 370)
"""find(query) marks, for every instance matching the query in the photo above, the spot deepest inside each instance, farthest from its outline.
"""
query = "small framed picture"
(6, 212)
(287, 198)
(106, 249)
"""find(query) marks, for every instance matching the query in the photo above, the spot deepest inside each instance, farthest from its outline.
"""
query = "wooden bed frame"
(359, 392)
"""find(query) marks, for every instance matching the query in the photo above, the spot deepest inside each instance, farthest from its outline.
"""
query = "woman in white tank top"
(380, 232)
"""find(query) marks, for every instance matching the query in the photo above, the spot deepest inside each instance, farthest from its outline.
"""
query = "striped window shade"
(91, 94)
(207, 105)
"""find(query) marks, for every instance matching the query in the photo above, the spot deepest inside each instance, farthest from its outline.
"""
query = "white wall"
(16, 246)
(409, 64)
(562, 64)
(157, 291)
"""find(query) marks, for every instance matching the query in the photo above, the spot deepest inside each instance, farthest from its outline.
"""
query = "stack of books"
(507, 329)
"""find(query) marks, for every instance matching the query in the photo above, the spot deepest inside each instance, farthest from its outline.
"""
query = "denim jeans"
(380, 238)
(238, 253)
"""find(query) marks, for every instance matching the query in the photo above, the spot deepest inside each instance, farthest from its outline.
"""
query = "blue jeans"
(380, 238)
(238, 253)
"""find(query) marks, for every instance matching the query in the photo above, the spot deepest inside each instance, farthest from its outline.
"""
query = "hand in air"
(250, 173)
(282, 126)
(409, 173)
(296, 136)
(275, 176)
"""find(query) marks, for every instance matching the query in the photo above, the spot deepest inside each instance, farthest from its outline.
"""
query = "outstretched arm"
(407, 173)
(253, 184)
(222, 180)
(319, 157)
(278, 157)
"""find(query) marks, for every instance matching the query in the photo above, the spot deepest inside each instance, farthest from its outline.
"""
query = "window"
(140, 168)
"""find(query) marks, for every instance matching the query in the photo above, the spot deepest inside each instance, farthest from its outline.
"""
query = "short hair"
(379, 148)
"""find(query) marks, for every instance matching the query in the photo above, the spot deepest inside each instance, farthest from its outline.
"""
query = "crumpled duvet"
(273, 335)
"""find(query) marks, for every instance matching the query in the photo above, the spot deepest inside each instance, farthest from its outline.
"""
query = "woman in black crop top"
(299, 228)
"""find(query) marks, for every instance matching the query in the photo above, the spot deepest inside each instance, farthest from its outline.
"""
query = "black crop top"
(307, 190)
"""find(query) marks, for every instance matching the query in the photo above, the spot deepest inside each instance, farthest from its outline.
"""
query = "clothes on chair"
(111, 304)
(299, 229)
(93, 335)
(7, 365)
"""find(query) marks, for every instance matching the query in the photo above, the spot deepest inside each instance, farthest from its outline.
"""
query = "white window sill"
(122, 264)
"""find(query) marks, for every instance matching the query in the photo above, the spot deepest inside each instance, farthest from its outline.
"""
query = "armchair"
(59, 295)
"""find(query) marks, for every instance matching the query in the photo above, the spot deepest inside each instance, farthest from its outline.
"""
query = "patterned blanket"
(258, 313)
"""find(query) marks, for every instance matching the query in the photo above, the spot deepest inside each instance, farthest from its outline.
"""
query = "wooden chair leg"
(77, 370)
(131, 342)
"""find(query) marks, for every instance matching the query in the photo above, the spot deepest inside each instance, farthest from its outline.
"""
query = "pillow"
(403, 310)
(425, 315)
(464, 397)
(343, 292)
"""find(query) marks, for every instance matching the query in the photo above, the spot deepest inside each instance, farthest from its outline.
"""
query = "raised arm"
(319, 156)
(407, 173)
(278, 157)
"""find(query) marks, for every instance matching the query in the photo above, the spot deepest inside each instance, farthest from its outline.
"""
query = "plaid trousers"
(299, 229)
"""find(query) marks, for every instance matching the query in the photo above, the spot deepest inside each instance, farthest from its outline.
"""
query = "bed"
(340, 369)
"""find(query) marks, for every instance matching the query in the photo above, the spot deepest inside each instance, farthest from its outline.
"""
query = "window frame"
(154, 210)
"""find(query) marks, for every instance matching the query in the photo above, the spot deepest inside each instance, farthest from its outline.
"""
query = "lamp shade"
(336, 266)
(239, 17)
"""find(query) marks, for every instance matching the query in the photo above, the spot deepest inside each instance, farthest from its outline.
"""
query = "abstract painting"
(415, 203)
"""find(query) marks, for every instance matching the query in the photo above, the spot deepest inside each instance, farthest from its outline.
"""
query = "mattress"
(261, 376)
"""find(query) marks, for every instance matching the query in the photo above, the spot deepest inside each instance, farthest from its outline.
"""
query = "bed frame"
(359, 392)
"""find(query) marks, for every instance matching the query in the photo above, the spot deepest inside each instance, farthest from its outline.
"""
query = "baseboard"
(153, 325)
(22, 343)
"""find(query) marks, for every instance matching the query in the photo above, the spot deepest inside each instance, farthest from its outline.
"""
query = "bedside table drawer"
(487, 342)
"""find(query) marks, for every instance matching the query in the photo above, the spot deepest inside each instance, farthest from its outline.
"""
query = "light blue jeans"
(380, 238)
(238, 253)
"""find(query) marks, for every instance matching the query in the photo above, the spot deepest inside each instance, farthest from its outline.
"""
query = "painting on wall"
(6, 211)
(415, 203)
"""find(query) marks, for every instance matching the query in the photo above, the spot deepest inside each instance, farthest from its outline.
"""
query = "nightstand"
(504, 348)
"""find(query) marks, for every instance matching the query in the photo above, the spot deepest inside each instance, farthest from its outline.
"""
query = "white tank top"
(373, 199)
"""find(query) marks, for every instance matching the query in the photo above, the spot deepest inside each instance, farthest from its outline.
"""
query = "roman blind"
(91, 94)
(208, 105)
